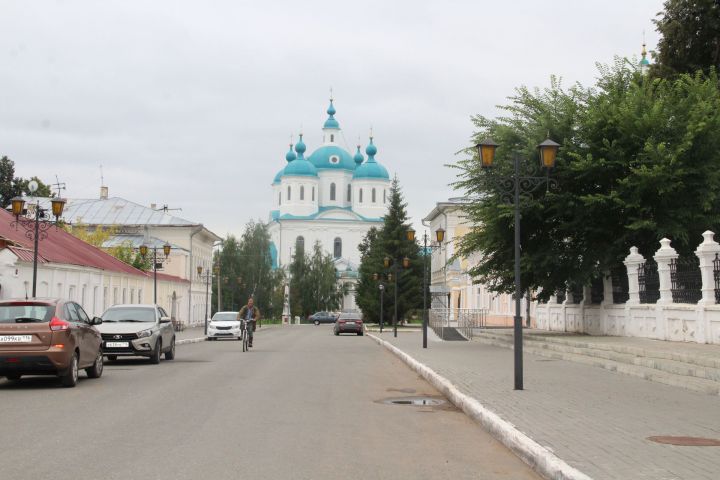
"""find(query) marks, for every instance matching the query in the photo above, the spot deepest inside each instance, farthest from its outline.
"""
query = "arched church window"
(373, 195)
(384, 196)
(337, 247)
(332, 138)
(302, 192)
(360, 199)
(349, 192)
(300, 244)
(332, 191)
(313, 194)
(288, 192)
(279, 198)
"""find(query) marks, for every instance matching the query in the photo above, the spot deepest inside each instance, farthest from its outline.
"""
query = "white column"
(664, 256)
(607, 288)
(706, 253)
(632, 262)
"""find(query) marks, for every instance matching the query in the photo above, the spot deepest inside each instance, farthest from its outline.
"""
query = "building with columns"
(329, 196)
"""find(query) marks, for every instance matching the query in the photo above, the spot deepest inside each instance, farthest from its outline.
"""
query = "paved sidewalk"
(597, 421)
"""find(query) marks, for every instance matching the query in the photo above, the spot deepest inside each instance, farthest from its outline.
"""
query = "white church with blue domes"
(329, 196)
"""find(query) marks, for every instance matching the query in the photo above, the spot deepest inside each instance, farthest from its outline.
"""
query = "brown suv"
(48, 337)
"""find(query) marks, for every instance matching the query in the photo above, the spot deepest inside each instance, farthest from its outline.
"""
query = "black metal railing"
(716, 277)
(577, 293)
(686, 280)
(597, 291)
(620, 285)
(649, 282)
(560, 296)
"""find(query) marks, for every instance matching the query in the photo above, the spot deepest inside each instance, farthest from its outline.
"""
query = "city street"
(303, 404)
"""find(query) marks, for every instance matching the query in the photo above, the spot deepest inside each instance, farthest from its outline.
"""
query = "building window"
(332, 191)
(300, 244)
(349, 192)
(313, 194)
(337, 247)
(140, 295)
(279, 198)
(288, 192)
(360, 199)
(384, 196)
(332, 138)
(302, 192)
(373, 195)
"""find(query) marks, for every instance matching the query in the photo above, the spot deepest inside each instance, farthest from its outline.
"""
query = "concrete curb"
(190, 340)
(539, 458)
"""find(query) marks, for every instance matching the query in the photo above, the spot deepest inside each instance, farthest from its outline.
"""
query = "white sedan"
(224, 325)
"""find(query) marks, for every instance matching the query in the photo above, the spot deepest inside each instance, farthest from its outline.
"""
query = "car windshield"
(26, 313)
(129, 314)
(224, 317)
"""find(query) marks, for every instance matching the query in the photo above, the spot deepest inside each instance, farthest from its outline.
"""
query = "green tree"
(639, 161)
(12, 186)
(313, 282)
(689, 37)
(390, 241)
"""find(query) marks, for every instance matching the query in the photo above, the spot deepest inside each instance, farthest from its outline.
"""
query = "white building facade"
(330, 197)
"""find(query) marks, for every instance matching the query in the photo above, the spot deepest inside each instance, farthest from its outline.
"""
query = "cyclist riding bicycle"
(252, 314)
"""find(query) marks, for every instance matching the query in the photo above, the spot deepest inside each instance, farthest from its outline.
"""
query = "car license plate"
(15, 338)
(350, 323)
(117, 344)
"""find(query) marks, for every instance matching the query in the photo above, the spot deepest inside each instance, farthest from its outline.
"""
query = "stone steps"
(641, 363)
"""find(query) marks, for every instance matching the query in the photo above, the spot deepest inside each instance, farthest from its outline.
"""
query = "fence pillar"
(706, 252)
(607, 288)
(632, 262)
(663, 257)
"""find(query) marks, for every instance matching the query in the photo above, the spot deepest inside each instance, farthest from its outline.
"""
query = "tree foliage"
(390, 241)
(640, 160)
(12, 186)
(246, 271)
(689, 37)
(313, 282)
(98, 236)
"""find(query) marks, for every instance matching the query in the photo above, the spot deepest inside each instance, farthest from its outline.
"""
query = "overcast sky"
(192, 103)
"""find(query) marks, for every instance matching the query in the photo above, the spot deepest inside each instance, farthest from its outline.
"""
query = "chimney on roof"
(103, 193)
(153, 206)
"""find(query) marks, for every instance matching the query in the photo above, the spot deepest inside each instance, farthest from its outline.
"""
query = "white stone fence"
(667, 318)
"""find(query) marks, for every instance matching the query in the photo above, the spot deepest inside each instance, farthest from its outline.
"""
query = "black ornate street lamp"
(440, 237)
(207, 277)
(156, 261)
(511, 189)
(387, 263)
(35, 229)
(381, 287)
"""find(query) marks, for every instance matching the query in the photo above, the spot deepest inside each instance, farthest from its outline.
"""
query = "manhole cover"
(686, 441)
(415, 401)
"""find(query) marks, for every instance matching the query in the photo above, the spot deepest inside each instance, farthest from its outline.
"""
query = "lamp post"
(381, 287)
(512, 189)
(35, 229)
(387, 262)
(166, 254)
(440, 236)
(207, 277)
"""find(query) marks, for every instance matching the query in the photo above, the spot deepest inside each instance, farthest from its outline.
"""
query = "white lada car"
(224, 325)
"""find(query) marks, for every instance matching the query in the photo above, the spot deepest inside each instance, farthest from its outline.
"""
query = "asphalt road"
(303, 404)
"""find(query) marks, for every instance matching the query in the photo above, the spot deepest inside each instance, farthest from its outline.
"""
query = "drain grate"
(415, 401)
(686, 441)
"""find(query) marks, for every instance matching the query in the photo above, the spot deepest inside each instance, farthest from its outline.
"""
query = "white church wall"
(298, 195)
(367, 207)
(341, 179)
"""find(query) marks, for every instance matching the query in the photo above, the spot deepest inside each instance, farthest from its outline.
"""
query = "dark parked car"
(349, 323)
(322, 317)
(48, 337)
(137, 330)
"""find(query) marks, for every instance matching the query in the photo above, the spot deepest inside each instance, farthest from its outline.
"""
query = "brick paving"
(596, 420)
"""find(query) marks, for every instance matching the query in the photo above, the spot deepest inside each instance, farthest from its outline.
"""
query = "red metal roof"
(62, 247)
(26, 255)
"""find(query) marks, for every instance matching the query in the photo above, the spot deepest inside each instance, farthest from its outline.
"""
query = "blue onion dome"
(371, 150)
(300, 166)
(290, 155)
(332, 157)
(371, 169)
(331, 122)
(358, 157)
(278, 177)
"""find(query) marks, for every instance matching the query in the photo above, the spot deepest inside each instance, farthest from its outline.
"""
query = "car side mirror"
(96, 321)
(164, 319)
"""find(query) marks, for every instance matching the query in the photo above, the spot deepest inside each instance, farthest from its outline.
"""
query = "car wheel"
(337, 333)
(155, 357)
(13, 378)
(112, 358)
(170, 354)
(360, 334)
(97, 369)
(317, 322)
(70, 377)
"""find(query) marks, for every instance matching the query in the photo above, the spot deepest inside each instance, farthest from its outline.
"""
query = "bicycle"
(245, 335)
